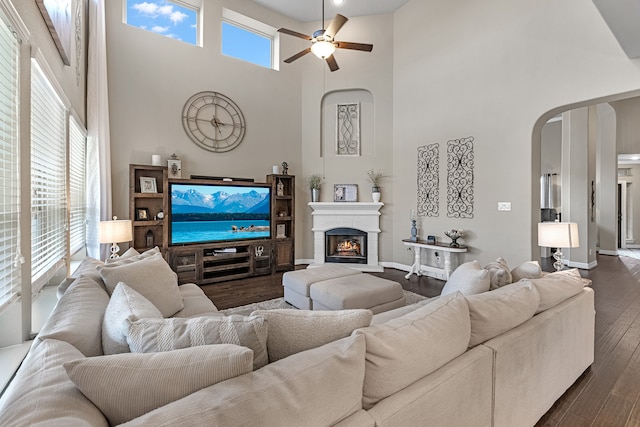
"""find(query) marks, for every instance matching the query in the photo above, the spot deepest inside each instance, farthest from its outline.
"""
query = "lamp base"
(114, 251)
(558, 265)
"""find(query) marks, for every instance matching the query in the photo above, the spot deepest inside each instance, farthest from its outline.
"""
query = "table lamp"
(114, 232)
(558, 235)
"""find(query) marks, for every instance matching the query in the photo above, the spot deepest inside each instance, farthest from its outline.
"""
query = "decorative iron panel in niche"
(460, 178)
(348, 129)
(428, 180)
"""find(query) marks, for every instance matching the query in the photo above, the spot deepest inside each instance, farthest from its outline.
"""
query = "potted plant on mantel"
(315, 181)
(375, 176)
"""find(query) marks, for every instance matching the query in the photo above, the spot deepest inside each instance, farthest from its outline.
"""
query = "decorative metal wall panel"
(348, 132)
(460, 178)
(428, 180)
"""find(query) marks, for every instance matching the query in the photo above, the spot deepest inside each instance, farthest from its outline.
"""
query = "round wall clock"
(213, 121)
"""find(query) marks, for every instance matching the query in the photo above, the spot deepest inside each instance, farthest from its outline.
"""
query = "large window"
(9, 178)
(48, 180)
(250, 40)
(177, 19)
(77, 185)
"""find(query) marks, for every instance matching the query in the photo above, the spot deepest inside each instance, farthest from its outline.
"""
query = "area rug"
(272, 304)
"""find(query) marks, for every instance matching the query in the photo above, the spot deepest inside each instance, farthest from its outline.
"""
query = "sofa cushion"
(196, 303)
(42, 394)
(129, 253)
(152, 277)
(469, 279)
(499, 273)
(317, 387)
(89, 268)
(495, 312)
(152, 335)
(526, 270)
(77, 317)
(125, 386)
(557, 287)
(293, 331)
(131, 256)
(405, 349)
(125, 303)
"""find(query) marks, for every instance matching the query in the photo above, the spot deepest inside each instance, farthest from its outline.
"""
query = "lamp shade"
(323, 49)
(115, 231)
(558, 234)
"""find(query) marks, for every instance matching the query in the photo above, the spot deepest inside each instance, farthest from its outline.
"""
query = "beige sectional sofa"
(500, 358)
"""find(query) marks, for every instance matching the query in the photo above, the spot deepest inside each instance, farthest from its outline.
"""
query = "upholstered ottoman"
(297, 283)
(361, 291)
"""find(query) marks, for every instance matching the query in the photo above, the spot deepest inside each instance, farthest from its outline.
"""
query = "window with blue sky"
(167, 18)
(249, 40)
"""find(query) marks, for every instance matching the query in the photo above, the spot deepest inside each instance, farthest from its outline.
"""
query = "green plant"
(375, 176)
(314, 181)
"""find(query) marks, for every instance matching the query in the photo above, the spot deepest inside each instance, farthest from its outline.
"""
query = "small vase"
(375, 194)
(315, 194)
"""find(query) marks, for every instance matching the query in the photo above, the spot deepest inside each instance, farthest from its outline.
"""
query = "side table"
(448, 252)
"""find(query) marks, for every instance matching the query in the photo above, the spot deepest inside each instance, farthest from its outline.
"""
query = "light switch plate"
(504, 206)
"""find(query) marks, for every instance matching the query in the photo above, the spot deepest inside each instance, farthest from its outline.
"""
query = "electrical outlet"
(504, 206)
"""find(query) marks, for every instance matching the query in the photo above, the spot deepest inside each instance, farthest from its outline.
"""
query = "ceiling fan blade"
(331, 62)
(355, 46)
(294, 33)
(298, 55)
(335, 25)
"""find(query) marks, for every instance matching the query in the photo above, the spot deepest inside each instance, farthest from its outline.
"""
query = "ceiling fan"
(323, 44)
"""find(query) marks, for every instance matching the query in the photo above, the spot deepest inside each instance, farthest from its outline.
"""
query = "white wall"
(151, 77)
(490, 70)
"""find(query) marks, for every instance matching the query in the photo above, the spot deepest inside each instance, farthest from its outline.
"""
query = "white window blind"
(9, 178)
(48, 180)
(77, 185)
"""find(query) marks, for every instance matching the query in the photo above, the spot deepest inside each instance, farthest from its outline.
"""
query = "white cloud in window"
(177, 17)
(153, 10)
(159, 29)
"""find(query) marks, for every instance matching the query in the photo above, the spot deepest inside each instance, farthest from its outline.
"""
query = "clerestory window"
(249, 40)
(176, 19)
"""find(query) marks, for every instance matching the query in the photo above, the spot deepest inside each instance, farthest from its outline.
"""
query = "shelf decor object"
(454, 235)
(558, 235)
(114, 232)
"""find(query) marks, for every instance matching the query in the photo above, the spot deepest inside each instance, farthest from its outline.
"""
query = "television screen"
(218, 212)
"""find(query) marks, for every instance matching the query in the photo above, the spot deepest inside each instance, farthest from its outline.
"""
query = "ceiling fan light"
(323, 49)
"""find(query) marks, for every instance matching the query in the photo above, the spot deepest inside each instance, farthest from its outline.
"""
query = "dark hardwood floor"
(607, 394)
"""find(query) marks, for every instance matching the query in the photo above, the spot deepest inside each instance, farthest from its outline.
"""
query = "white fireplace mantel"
(363, 216)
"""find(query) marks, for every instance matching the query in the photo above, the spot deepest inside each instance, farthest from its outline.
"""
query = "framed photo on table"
(148, 184)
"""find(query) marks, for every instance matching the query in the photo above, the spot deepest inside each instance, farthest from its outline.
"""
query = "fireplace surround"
(363, 221)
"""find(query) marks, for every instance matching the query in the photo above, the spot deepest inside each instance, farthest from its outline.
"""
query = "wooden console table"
(440, 273)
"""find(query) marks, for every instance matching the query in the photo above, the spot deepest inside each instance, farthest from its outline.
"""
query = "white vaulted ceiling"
(311, 10)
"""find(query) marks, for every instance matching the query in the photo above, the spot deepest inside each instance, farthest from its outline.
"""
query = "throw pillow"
(469, 279)
(526, 270)
(151, 277)
(152, 335)
(125, 386)
(125, 303)
(406, 349)
(196, 303)
(129, 253)
(293, 331)
(557, 287)
(499, 274)
(493, 313)
(319, 387)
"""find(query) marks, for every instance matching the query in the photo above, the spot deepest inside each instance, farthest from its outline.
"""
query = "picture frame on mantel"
(345, 193)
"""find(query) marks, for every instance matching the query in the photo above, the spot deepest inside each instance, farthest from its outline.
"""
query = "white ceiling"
(311, 10)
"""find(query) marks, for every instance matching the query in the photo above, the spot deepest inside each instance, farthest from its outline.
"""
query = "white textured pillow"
(526, 270)
(152, 277)
(469, 278)
(129, 253)
(406, 349)
(499, 274)
(196, 303)
(493, 313)
(152, 335)
(319, 387)
(293, 331)
(557, 287)
(125, 303)
(125, 386)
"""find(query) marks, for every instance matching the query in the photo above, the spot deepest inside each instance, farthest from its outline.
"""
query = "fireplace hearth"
(346, 245)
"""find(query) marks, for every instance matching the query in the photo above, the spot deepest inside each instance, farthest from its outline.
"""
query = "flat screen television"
(206, 212)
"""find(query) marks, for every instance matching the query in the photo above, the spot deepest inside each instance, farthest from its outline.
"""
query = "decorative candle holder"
(414, 229)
